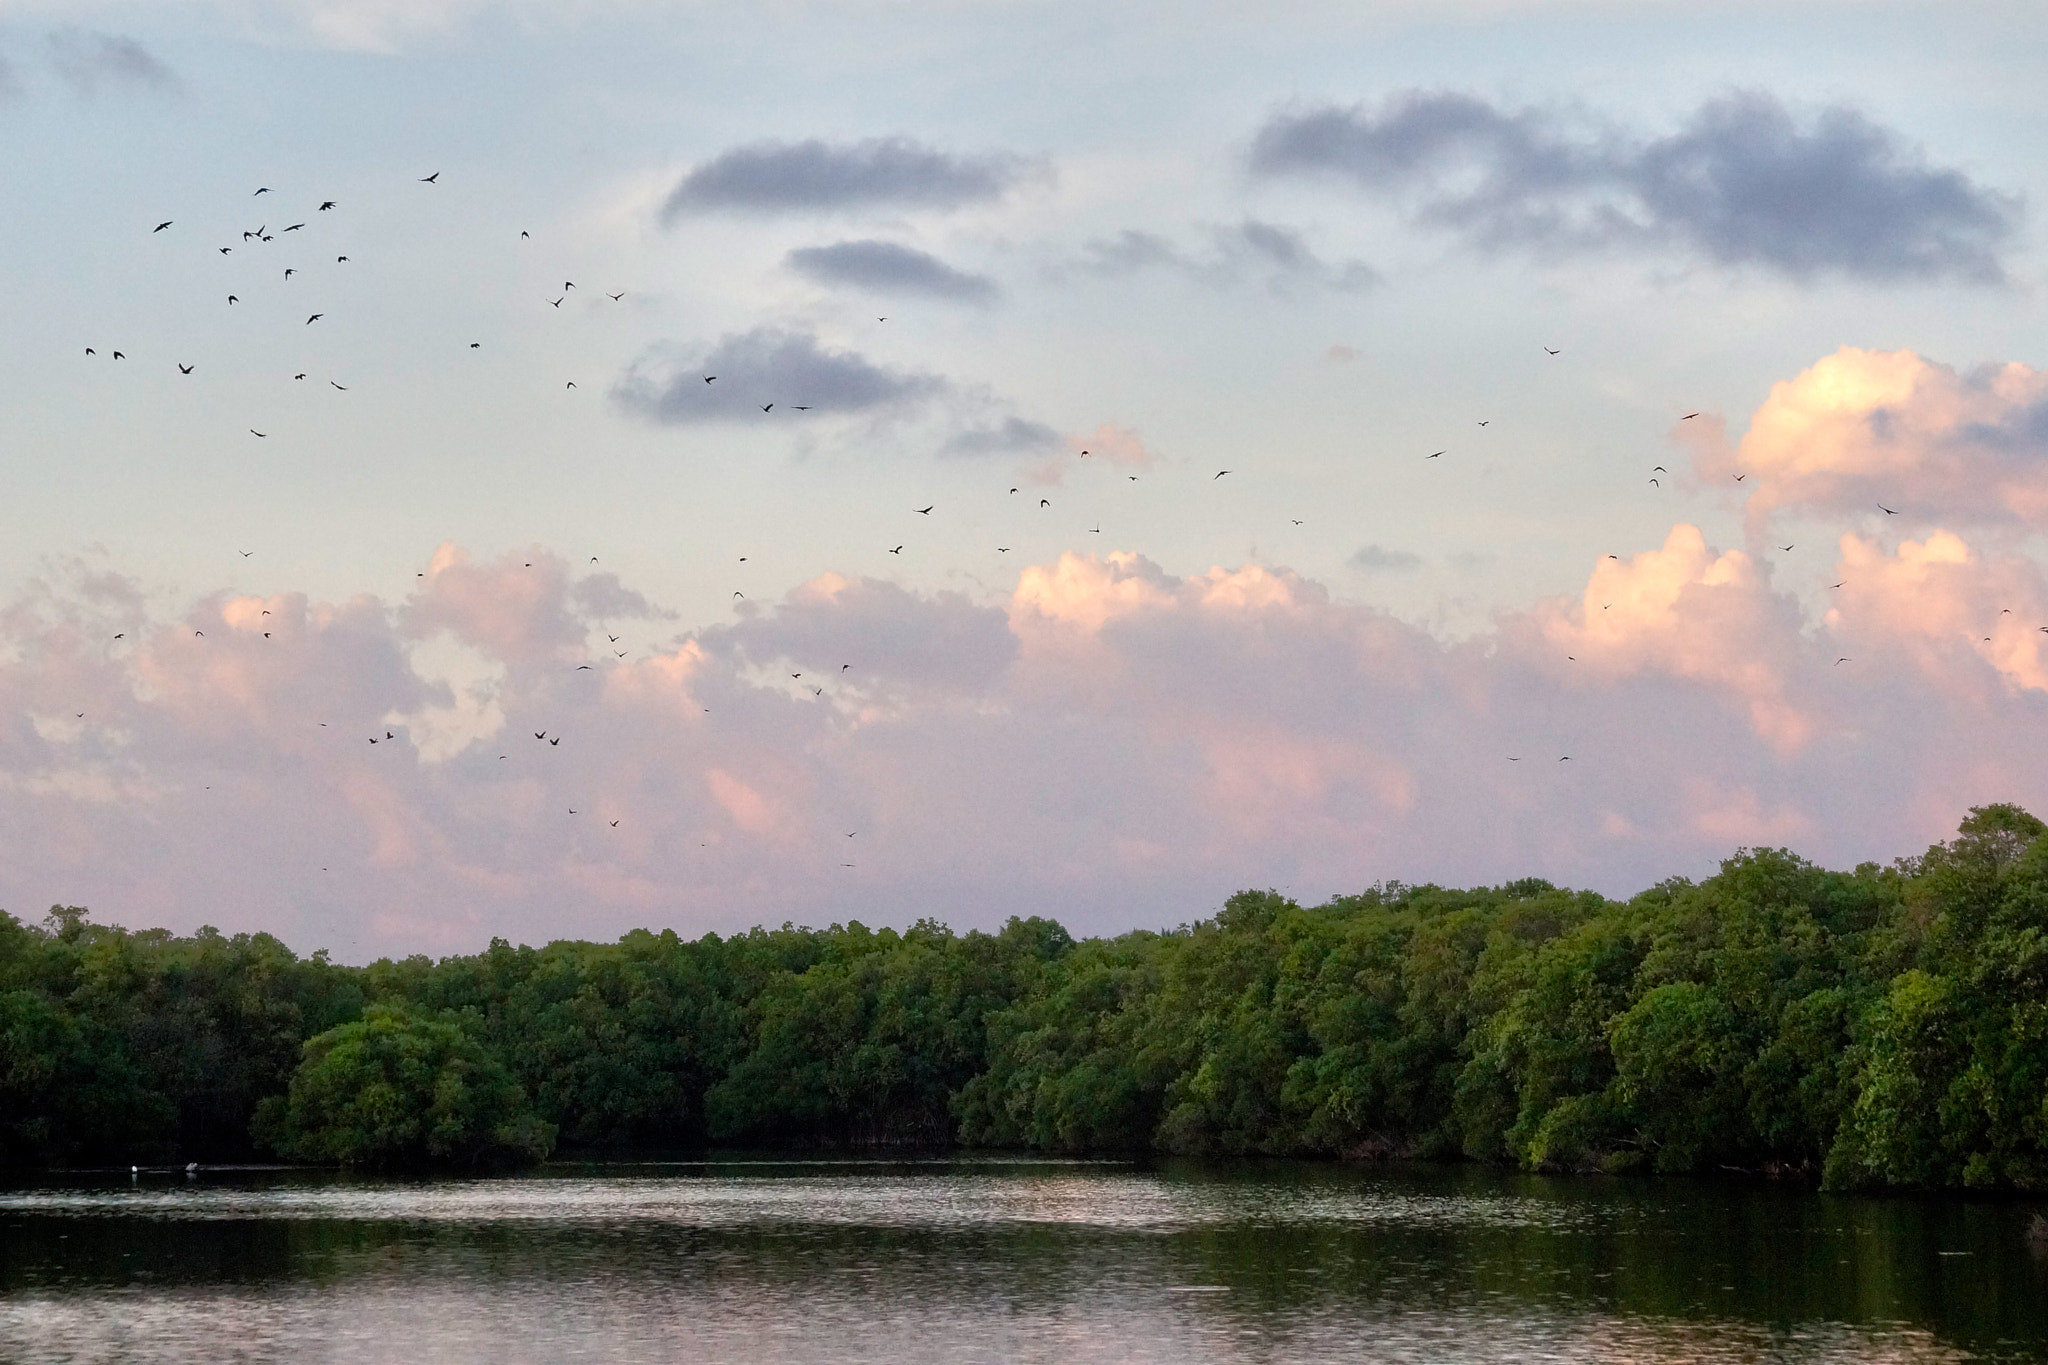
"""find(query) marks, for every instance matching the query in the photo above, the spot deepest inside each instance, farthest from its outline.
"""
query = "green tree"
(395, 1090)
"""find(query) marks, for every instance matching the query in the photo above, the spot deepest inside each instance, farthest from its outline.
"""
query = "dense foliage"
(1886, 1027)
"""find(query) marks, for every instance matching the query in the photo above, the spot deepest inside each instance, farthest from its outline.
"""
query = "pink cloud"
(1108, 742)
(1862, 428)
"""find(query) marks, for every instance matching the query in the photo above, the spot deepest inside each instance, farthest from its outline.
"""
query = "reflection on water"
(1005, 1261)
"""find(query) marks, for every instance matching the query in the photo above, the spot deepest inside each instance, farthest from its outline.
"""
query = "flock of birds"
(255, 240)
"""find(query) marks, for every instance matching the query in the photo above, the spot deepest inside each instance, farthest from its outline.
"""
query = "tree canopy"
(1885, 1027)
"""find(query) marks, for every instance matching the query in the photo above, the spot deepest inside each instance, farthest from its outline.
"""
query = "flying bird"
(1785, 547)
(326, 204)
(1840, 662)
(709, 377)
(1217, 475)
(430, 179)
(924, 511)
(1688, 417)
(339, 259)
(184, 369)
(342, 387)
(1045, 502)
(293, 228)
(300, 375)
(254, 432)
(119, 355)
(1548, 351)
(315, 318)
(1886, 510)
(1740, 477)
(897, 551)
(289, 272)
(1653, 481)
(766, 406)
(264, 190)
(540, 734)
(558, 302)
(90, 351)
(160, 227)
(556, 740)
(1433, 456)
(616, 297)
(568, 285)
(233, 299)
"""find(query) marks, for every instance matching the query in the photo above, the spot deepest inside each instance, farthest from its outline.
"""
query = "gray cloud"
(88, 61)
(1011, 436)
(1379, 559)
(1741, 183)
(888, 268)
(767, 365)
(799, 177)
(1236, 251)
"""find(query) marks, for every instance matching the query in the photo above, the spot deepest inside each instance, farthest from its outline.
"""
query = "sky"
(562, 468)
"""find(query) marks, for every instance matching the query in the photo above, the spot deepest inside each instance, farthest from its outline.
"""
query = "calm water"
(1005, 1261)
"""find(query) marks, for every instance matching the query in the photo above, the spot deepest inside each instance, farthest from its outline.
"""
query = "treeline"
(1886, 1027)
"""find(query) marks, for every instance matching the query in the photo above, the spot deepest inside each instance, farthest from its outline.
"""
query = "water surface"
(995, 1260)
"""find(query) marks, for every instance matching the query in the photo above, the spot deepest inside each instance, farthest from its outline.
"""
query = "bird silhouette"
(430, 179)
(342, 387)
(293, 228)
(616, 297)
(1433, 455)
(924, 511)
(1045, 502)
(1548, 351)
(1688, 417)
(184, 369)
(766, 406)
(254, 432)
(1886, 510)
(160, 227)
(264, 190)
(326, 204)
(897, 551)
(1217, 475)
(315, 318)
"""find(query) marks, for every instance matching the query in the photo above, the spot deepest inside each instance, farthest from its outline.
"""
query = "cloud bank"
(1742, 183)
(1099, 739)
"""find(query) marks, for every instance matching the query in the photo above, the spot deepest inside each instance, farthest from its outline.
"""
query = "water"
(1010, 1261)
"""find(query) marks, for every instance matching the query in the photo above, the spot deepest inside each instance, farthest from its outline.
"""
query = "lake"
(1004, 1260)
